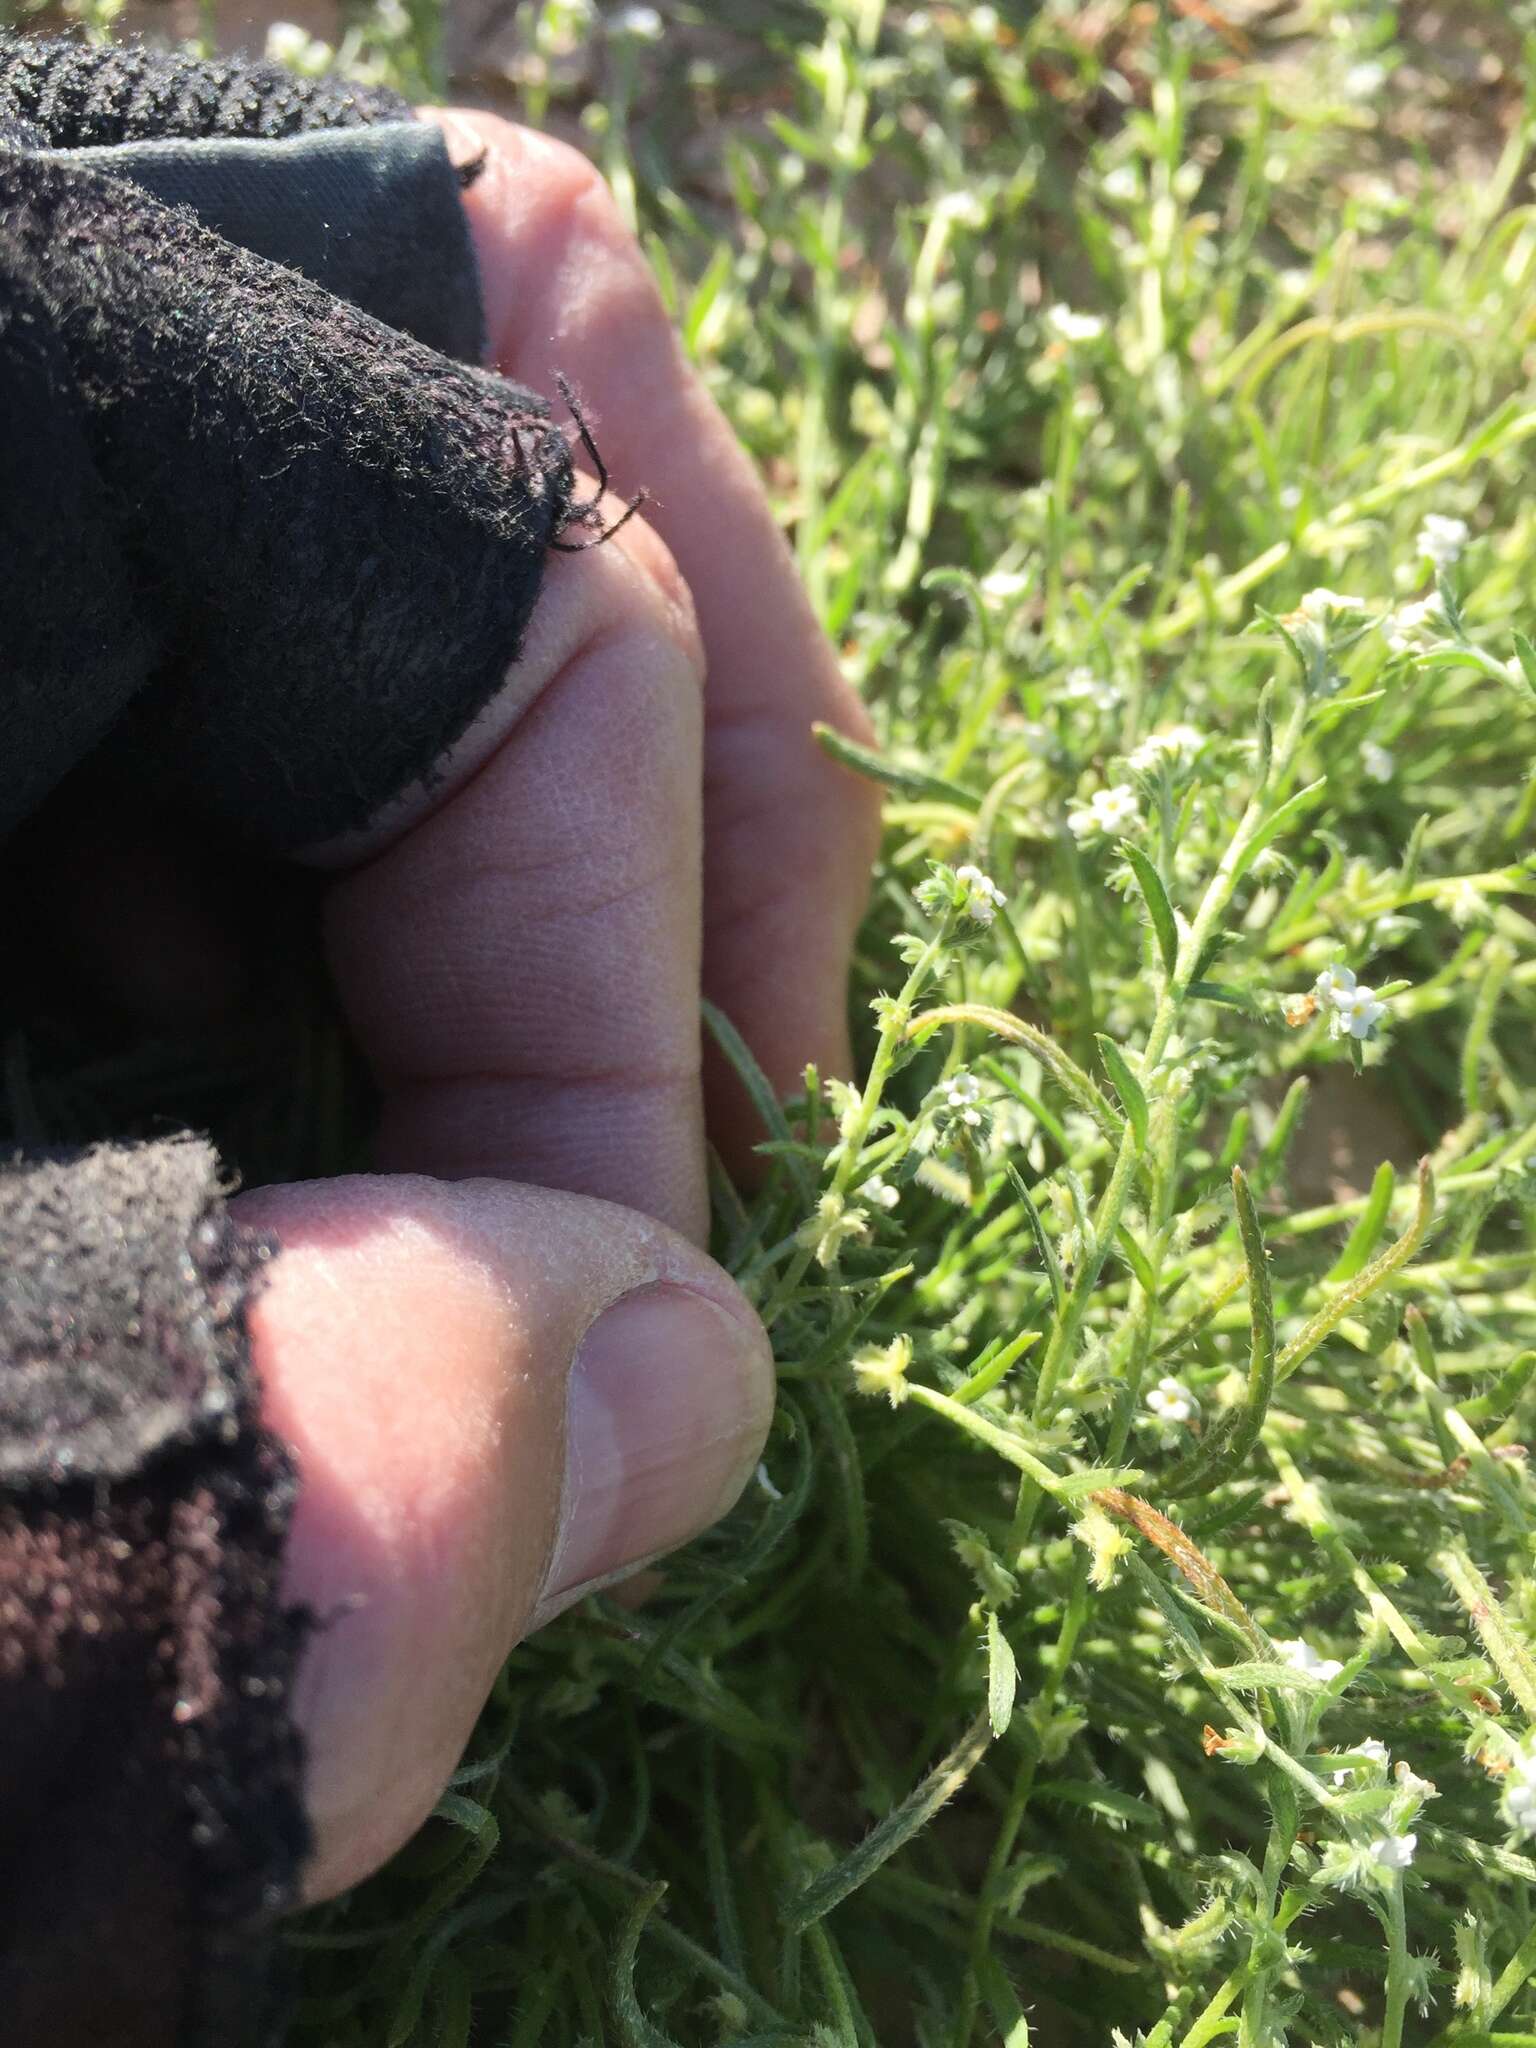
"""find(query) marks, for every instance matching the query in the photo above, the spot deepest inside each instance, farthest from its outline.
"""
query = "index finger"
(789, 835)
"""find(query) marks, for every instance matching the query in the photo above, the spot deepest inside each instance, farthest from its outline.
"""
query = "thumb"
(498, 1397)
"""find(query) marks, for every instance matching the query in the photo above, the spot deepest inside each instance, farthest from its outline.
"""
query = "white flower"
(984, 23)
(963, 208)
(1376, 1751)
(961, 1095)
(1170, 1400)
(1362, 80)
(1520, 1803)
(1441, 540)
(1303, 1658)
(644, 24)
(918, 23)
(1415, 625)
(1357, 1011)
(1082, 686)
(1466, 903)
(1122, 183)
(1290, 497)
(1108, 811)
(1321, 605)
(1003, 584)
(880, 1192)
(1070, 327)
(1394, 1852)
(1178, 743)
(983, 898)
(296, 49)
(1520, 1793)
(1351, 1006)
(1379, 763)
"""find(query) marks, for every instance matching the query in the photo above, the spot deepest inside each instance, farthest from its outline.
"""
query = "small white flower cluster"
(1303, 1658)
(1322, 605)
(1415, 625)
(1082, 686)
(1107, 812)
(1002, 585)
(297, 50)
(1377, 1752)
(1441, 540)
(961, 1099)
(880, 1192)
(964, 209)
(1073, 328)
(1353, 1009)
(641, 24)
(1377, 762)
(983, 898)
(1170, 1400)
(884, 1371)
(1520, 1794)
(1178, 744)
(1394, 1852)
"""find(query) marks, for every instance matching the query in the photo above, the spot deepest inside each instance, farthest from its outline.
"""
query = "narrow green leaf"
(1002, 1677)
(1277, 822)
(1493, 1406)
(1043, 1244)
(1136, 1259)
(1008, 2016)
(636, 2029)
(1372, 1221)
(1264, 751)
(1127, 1087)
(1500, 1637)
(1063, 1068)
(895, 1831)
(874, 767)
(1527, 654)
(1104, 1799)
(1413, 853)
(1278, 1144)
(1155, 896)
(1365, 1283)
(1220, 992)
(747, 1071)
(995, 1369)
(1218, 1460)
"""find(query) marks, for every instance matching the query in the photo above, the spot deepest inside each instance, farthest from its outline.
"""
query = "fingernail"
(668, 1403)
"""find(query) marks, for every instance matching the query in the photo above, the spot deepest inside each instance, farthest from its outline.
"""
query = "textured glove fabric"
(151, 1818)
(78, 96)
(266, 556)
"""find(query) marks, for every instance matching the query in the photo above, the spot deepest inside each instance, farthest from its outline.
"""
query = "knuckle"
(578, 196)
(642, 597)
(657, 563)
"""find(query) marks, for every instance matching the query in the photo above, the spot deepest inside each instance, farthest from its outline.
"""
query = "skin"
(642, 812)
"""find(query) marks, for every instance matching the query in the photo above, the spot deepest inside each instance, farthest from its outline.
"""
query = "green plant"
(1131, 1623)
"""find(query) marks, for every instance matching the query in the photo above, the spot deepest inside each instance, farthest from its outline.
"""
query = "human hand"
(520, 950)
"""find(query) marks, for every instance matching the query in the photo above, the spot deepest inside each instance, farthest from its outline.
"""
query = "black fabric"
(151, 1823)
(80, 95)
(265, 557)
(277, 554)
(371, 214)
